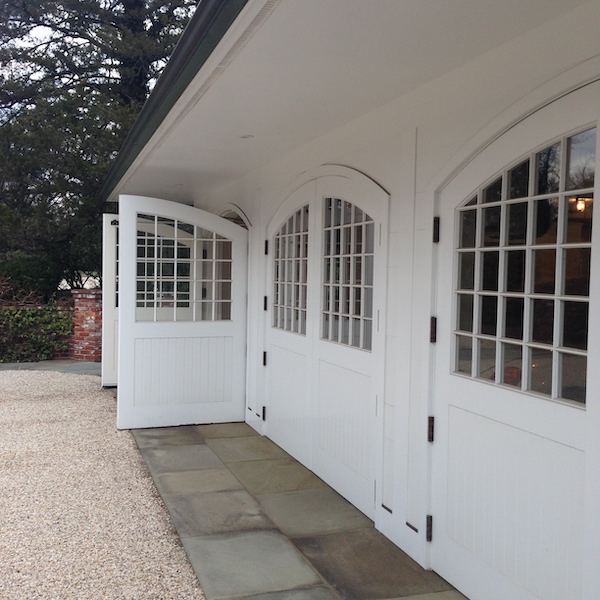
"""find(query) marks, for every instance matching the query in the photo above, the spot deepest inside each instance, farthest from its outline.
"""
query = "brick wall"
(86, 342)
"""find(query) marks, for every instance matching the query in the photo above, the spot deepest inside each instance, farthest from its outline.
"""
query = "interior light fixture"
(580, 204)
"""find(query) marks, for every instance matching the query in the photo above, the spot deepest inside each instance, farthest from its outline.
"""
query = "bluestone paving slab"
(276, 475)
(220, 512)
(225, 430)
(449, 595)
(246, 564)
(197, 482)
(306, 512)
(170, 459)
(313, 593)
(364, 564)
(245, 448)
(167, 436)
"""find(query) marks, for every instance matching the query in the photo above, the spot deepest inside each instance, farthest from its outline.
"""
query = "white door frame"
(110, 309)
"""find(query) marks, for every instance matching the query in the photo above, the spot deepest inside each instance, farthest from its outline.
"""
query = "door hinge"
(264, 359)
(430, 429)
(264, 413)
(115, 222)
(429, 529)
(265, 303)
(266, 247)
(436, 230)
(433, 330)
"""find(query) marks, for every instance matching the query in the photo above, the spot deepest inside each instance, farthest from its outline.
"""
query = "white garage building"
(365, 228)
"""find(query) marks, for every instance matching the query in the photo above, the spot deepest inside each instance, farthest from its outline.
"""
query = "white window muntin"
(492, 242)
(347, 278)
(184, 272)
(290, 273)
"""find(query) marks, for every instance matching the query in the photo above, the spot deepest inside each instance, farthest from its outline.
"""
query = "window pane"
(493, 193)
(491, 224)
(512, 360)
(487, 359)
(544, 266)
(515, 271)
(577, 271)
(489, 279)
(579, 222)
(488, 307)
(466, 270)
(289, 271)
(575, 325)
(581, 160)
(543, 321)
(541, 371)
(517, 224)
(464, 354)
(468, 221)
(518, 181)
(513, 319)
(465, 312)
(548, 169)
(546, 221)
(573, 377)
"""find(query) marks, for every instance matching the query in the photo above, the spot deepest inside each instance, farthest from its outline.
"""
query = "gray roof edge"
(205, 30)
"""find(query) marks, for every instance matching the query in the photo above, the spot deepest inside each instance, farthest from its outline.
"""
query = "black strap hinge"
(429, 528)
(436, 230)
(264, 359)
(265, 303)
(266, 247)
(433, 330)
(264, 413)
(430, 429)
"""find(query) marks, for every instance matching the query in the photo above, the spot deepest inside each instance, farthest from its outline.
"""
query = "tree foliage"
(73, 76)
(31, 329)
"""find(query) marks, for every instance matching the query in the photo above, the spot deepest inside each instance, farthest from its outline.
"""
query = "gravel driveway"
(79, 514)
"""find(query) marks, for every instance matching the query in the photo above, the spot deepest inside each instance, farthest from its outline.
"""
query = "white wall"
(411, 147)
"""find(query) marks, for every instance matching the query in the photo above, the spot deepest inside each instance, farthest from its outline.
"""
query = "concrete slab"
(365, 564)
(225, 430)
(197, 482)
(167, 436)
(219, 512)
(173, 459)
(239, 449)
(308, 512)
(277, 475)
(247, 564)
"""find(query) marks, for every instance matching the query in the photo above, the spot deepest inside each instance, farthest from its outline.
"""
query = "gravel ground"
(79, 514)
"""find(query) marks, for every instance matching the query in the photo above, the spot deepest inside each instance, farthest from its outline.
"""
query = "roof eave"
(205, 30)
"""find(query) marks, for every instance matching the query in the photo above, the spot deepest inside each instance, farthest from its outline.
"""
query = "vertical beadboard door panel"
(182, 316)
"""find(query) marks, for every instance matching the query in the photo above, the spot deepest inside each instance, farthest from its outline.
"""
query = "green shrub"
(30, 331)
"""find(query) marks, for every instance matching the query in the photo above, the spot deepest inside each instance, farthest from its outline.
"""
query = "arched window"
(523, 269)
(347, 313)
(290, 276)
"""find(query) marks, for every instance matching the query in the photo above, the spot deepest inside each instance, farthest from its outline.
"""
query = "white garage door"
(326, 334)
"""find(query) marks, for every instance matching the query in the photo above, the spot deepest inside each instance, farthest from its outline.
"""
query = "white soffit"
(310, 67)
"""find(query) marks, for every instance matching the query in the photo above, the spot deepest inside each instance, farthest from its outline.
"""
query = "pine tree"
(74, 74)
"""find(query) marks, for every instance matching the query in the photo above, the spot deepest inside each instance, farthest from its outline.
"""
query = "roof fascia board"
(205, 30)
